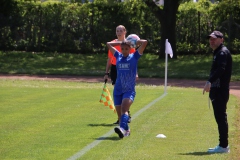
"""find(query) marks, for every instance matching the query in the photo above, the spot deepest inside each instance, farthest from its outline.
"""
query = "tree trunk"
(167, 17)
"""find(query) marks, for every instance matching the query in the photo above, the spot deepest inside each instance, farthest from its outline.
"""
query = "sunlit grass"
(43, 119)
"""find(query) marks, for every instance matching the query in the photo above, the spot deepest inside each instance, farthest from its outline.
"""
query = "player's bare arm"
(142, 43)
(111, 45)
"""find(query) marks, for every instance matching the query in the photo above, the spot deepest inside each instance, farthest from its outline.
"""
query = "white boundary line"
(99, 140)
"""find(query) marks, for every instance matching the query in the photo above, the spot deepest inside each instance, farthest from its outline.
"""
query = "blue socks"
(124, 122)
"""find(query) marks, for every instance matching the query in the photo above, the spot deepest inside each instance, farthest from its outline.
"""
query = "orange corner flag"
(106, 98)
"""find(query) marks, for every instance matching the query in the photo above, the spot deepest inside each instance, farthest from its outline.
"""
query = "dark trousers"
(113, 74)
(219, 98)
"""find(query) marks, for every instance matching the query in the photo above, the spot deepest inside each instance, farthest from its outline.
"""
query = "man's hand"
(207, 87)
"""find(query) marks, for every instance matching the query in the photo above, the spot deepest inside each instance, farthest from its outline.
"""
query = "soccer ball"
(159, 2)
(133, 38)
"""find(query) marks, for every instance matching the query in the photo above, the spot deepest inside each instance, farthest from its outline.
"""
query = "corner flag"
(168, 50)
(106, 98)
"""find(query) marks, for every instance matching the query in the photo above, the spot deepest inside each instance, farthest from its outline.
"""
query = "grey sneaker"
(219, 149)
(127, 133)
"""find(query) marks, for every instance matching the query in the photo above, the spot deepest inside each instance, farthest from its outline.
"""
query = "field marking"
(99, 140)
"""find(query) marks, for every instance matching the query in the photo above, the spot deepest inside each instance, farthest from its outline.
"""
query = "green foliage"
(193, 27)
(236, 45)
(85, 28)
(75, 27)
(184, 47)
(188, 66)
(228, 20)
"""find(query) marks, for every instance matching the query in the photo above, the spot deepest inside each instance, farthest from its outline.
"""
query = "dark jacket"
(221, 69)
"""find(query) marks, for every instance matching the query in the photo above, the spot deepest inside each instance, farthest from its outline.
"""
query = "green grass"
(187, 67)
(55, 119)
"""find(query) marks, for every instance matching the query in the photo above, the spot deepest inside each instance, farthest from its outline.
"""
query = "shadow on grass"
(109, 138)
(196, 153)
(102, 124)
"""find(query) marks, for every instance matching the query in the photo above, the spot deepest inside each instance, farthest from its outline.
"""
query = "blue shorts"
(118, 98)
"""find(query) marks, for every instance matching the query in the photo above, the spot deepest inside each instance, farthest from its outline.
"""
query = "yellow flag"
(106, 98)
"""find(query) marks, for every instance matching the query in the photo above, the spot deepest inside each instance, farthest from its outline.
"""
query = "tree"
(167, 15)
(7, 6)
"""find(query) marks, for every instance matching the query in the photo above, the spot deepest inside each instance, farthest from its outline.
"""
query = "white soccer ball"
(133, 38)
(159, 2)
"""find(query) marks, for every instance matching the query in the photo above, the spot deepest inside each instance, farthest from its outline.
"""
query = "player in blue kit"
(124, 89)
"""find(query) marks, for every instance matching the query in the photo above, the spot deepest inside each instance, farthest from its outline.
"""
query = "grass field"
(188, 66)
(53, 120)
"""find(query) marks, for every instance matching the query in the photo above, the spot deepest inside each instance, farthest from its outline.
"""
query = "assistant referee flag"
(106, 98)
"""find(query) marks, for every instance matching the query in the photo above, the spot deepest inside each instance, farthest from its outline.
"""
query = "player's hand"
(207, 87)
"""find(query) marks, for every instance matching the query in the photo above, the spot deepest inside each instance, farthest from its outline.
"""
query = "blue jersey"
(126, 72)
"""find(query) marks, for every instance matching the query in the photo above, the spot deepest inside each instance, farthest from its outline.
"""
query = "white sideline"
(96, 142)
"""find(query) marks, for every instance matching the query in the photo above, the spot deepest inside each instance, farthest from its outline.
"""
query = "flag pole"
(105, 81)
(166, 65)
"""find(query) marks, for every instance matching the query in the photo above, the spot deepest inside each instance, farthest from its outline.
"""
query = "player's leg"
(127, 101)
(117, 103)
(123, 130)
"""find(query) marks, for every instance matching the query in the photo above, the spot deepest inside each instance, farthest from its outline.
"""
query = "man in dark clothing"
(218, 88)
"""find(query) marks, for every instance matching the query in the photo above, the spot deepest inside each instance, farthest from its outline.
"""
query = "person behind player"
(124, 88)
(111, 62)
